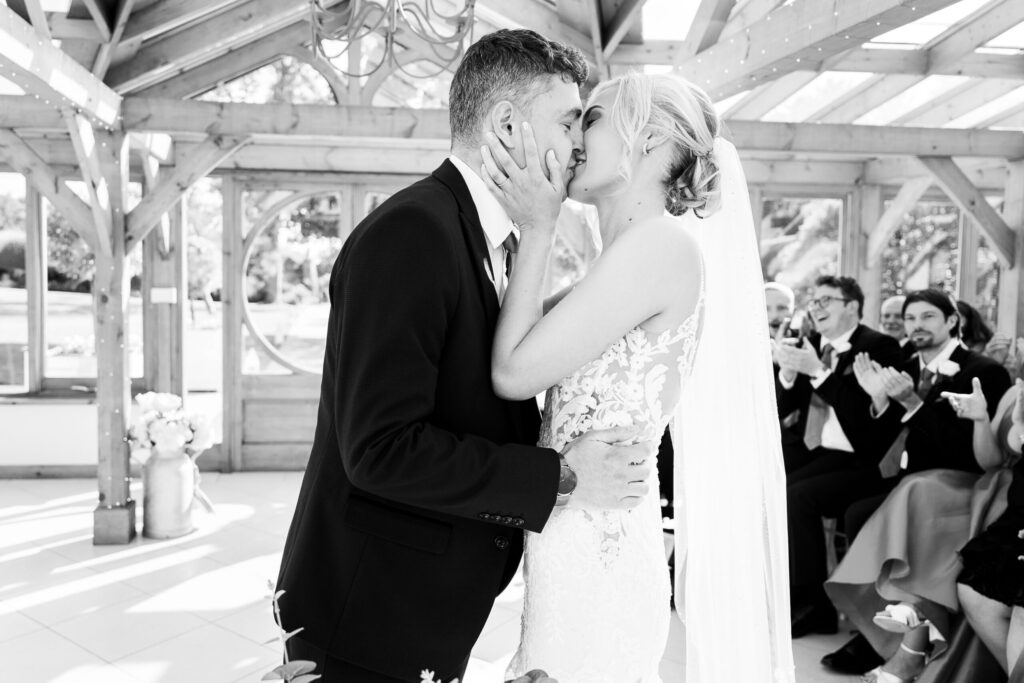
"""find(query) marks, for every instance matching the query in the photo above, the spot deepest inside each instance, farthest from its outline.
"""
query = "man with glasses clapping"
(816, 376)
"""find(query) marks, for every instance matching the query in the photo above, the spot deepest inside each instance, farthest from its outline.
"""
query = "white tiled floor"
(193, 609)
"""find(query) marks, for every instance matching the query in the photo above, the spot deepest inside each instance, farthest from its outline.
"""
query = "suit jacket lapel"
(473, 233)
(522, 413)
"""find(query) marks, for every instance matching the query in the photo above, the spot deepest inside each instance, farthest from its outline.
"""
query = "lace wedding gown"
(596, 607)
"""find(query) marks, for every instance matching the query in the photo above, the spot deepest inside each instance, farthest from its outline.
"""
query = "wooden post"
(1011, 284)
(164, 297)
(114, 517)
(967, 269)
(35, 285)
(231, 301)
(867, 203)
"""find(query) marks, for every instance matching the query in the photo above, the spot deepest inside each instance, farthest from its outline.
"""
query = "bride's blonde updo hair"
(682, 114)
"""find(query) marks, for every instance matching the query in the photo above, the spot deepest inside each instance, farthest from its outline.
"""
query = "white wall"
(48, 434)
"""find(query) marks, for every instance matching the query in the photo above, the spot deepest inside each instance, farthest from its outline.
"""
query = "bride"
(668, 323)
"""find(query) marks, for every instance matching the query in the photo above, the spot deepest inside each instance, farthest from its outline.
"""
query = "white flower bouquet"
(163, 424)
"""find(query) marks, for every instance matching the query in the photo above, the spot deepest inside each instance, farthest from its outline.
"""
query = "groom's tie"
(510, 247)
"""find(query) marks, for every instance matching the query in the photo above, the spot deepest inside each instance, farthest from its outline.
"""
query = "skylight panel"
(931, 26)
(826, 88)
(1012, 39)
(911, 98)
(989, 110)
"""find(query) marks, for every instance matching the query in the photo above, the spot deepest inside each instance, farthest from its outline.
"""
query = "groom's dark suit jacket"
(937, 438)
(411, 514)
(842, 391)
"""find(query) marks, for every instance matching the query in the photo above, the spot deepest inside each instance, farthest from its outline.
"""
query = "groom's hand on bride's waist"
(610, 473)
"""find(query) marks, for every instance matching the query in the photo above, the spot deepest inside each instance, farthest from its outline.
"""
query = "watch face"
(566, 481)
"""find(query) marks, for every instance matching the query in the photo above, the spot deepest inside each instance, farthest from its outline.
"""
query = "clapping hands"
(884, 383)
(972, 406)
(793, 359)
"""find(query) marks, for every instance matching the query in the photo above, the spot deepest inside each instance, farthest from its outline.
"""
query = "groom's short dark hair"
(506, 64)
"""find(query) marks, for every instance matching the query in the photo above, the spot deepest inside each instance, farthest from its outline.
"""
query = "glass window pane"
(799, 243)
(923, 251)
(70, 333)
(13, 296)
(287, 275)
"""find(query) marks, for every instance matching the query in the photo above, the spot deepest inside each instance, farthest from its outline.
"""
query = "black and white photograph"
(512, 341)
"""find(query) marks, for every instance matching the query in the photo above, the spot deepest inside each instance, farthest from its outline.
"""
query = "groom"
(421, 481)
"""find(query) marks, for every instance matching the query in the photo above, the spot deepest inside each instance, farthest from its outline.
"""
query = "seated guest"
(779, 302)
(891, 319)
(991, 585)
(910, 413)
(841, 448)
(974, 333)
(897, 582)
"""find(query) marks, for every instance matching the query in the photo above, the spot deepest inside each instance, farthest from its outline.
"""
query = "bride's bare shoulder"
(665, 240)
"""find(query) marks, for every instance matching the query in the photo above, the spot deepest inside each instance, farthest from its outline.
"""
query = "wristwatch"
(566, 482)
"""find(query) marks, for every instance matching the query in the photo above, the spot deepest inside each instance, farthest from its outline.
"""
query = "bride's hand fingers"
(501, 156)
(555, 176)
(491, 171)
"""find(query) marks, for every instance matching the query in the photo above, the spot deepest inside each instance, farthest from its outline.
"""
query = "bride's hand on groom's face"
(532, 196)
(610, 472)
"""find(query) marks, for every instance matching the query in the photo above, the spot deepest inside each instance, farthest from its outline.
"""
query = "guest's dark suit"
(411, 514)
(937, 438)
(833, 479)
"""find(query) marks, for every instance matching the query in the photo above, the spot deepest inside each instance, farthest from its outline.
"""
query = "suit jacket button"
(500, 542)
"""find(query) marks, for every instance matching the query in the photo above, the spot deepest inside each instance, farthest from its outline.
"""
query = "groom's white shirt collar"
(495, 222)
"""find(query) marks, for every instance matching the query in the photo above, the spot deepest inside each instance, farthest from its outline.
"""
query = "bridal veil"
(731, 583)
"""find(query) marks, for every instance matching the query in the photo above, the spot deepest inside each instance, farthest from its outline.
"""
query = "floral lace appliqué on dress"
(596, 606)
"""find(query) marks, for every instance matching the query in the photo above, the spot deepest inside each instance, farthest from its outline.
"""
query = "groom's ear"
(501, 121)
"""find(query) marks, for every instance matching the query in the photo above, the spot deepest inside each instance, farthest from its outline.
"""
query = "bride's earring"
(646, 150)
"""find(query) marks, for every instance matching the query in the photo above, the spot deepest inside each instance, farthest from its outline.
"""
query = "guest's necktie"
(817, 411)
(890, 463)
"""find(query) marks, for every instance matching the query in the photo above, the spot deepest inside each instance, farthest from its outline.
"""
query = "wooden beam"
(988, 174)
(106, 52)
(1010, 318)
(114, 517)
(165, 194)
(238, 62)
(539, 16)
(867, 205)
(955, 94)
(164, 15)
(38, 17)
(620, 24)
(99, 17)
(972, 202)
(40, 68)
(20, 157)
(892, 219)
(869, 141)
(811, 31)
(808, 172)
(773, 94)
(231, 305)
(861, 59)
(87, 149)
(990, 21)
(707, 25)
(595, 22)
(951, 108)
(35, 285)
(872, 93)
(173, 116)
(214, 36)
(63, 28)
(747, 14)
